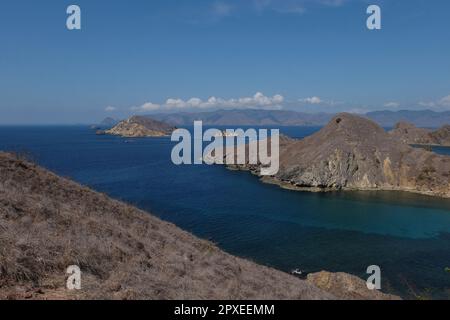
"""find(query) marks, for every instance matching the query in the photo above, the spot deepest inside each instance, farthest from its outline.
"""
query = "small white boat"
(226, 134)
(297, 272)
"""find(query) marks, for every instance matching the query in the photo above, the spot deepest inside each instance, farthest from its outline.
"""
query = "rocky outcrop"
(139, 126)
(354, 153)
(48, 223)
(442, 136)
(355, 288)
(410, 134)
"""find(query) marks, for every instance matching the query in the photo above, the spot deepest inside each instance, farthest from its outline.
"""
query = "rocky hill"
(48, 223)
(354, 153)
(139, 126)
(442, 136)
(410, 134)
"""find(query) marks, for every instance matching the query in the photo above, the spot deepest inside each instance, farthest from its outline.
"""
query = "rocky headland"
(140, 126)
(354, 153)
(410, 134)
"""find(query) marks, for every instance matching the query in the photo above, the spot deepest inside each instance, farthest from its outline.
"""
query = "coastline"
(290, 186)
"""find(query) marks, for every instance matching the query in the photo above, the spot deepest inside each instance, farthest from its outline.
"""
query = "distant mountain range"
(246, 118)
(109, 122)
(423, 118)
(387, 119)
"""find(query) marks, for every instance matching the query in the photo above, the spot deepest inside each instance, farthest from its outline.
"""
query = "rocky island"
(410, 134)
(354, 153)
(140, 126)
(48, 223)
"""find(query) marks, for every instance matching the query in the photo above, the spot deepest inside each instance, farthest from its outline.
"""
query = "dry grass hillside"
(48, 223)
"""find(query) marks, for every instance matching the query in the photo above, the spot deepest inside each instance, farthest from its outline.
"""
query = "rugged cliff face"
(442, 136)
(138, 126)
(352, 152)
(48, 223)
(410, 134)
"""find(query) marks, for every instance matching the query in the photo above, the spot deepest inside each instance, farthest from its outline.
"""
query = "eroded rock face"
(354, 153)
(355, 288)
(410, 134)
(138, 126)
(442, 136)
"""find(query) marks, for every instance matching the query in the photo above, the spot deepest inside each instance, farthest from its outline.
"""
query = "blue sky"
(179, 55)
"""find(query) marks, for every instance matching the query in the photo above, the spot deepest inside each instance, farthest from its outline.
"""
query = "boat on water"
(226, 134)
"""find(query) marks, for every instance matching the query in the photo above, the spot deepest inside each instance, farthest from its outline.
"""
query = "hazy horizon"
(99, 120)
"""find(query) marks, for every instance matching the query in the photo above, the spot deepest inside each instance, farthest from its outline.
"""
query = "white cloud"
(293, 9)
(442, 103)
(332, 3)
(110, 109)
(294, 6)
(318, 102)
(361, 110)
(428, 104)
(312, 100)
(445, 102)
(392, 104)
(259, 100)
(222, 9)
(149, 106)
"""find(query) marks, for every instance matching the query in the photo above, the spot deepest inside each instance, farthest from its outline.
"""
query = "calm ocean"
(407, 235)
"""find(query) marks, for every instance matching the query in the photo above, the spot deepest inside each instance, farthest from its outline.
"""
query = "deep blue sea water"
(407, 235)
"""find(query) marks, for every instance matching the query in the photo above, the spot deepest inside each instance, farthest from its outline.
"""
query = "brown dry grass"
(48, 223)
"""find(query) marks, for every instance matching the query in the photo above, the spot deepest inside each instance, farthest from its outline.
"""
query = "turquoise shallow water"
(407, 235)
